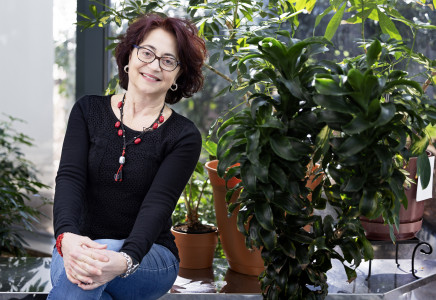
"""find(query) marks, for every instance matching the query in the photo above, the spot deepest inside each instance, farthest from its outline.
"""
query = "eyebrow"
(154, 49)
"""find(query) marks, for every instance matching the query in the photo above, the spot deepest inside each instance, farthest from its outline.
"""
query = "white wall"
(26, 80)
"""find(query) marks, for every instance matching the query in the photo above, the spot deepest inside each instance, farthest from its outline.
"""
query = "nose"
(155, 64)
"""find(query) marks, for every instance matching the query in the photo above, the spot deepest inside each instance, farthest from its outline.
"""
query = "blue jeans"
(154, 277)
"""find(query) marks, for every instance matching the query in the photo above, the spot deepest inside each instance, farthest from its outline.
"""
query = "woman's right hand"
(75, 247)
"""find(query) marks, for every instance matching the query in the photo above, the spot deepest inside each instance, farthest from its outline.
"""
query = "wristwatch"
(131, 265)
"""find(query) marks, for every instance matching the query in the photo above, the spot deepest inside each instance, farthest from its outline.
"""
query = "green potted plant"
(275, 141)
(342, 119)
(195, 240)
(18, 182)
(377, 118)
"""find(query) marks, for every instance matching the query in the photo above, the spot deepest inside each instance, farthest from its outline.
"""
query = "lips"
(149, 76)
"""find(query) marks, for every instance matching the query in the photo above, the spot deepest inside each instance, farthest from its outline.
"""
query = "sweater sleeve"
(71, 177)
(161, 199)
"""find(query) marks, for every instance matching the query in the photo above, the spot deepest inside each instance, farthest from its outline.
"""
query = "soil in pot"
(196, 248)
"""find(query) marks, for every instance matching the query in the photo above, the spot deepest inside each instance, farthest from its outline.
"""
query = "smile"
(150, 77)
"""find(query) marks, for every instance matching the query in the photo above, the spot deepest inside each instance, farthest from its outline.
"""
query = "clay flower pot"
(240, 258)
(410, 219)
(196, 250)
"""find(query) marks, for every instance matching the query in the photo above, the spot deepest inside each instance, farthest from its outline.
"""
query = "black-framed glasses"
(167, 63)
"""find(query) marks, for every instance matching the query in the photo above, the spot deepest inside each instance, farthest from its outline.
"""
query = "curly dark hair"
(191, 50)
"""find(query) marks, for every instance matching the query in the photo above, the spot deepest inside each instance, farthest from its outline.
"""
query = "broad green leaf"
(406, 82)
(419, 146)
(355, 78)
(368, 251)
(353, 145)
(301, 237)
(214, 58)
(268, 237)
(368, 203)
(328, 86)
(278, 176)
(287, 204)
(373, 53)
(256, 104)
(210, 147)
(322, 143)
(424, 169)
(385, 157)
(320, 16)
(357, 125)
(253, 148)
(248, 177)
(351, 273)
(287, 246)
(387, 26)
(334, 22)
(334, 103)
(282, 147)
(387, 112)
(354, 184)
(93, 10)
(264, 214)
(229, 158)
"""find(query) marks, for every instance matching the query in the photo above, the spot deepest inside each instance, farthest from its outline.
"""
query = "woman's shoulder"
(182, 122)
(93, 99)
(182, 129)
(89, 103)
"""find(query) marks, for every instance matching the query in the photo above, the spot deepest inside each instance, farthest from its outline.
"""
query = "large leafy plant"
(18, 183)
(376, 120)
(273, 140)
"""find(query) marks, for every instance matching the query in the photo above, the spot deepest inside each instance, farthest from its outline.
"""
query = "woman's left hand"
(116, 265)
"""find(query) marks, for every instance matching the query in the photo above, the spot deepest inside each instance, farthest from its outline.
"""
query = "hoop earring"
(126, 68)
(175, 88)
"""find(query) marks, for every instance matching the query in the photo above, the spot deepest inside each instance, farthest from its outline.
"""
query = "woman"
(125, 161)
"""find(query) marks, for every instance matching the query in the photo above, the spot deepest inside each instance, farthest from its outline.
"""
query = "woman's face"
(149, 78)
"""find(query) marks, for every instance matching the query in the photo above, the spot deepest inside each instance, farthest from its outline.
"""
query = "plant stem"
(363, 23)
(218, 73)
(428, 82)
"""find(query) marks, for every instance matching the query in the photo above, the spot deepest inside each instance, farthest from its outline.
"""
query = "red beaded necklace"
(136, 139)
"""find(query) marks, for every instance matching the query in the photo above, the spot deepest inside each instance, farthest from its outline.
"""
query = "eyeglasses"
(166, 63)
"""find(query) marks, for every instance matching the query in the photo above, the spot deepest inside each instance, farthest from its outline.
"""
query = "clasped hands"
(89, 264)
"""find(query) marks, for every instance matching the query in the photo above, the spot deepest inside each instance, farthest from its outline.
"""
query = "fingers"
(79, 278)
(71, 277)
(85, 269)
(88, 287)
(95, 254)
(91, 244)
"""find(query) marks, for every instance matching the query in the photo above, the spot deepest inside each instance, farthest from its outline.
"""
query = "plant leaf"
(423, 169)
(264, 215)
(334, 22)
(282, 147)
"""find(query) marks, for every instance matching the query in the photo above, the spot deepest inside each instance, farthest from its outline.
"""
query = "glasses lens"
(146, 55)
(168, 63)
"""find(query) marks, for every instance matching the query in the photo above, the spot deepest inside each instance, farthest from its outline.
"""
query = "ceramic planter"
(410, 219)
(196, 250)
(240, 259)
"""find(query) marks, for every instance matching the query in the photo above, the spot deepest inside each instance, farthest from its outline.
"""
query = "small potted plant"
(195, 240)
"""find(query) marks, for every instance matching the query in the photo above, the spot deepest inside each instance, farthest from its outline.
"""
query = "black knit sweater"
(138, 209)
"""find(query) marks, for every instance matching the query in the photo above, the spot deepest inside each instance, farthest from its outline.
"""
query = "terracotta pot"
(240, 259)
(196, 250)
(410, 219)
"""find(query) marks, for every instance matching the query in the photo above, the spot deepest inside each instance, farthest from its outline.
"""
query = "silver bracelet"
(131, 268)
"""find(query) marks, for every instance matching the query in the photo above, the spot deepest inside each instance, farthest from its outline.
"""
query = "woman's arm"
(70, 189)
